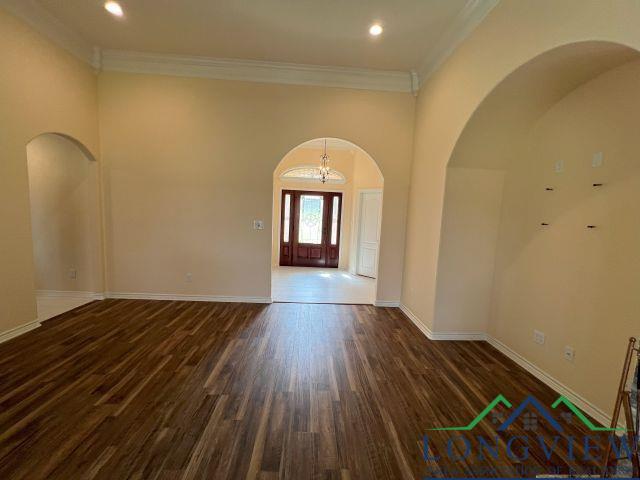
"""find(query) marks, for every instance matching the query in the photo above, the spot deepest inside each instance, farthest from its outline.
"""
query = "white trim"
(69, 294)
(578, 400)
(48, 25)
(414, 319)
(440, 336)
(387, 303)
(471, 15)
(43, 22)
(187, 298)
(256, 71)
(14, 332)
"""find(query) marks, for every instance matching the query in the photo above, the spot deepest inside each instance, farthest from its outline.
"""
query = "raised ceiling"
(327, 32)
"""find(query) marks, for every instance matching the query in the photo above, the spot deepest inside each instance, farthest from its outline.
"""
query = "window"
(287, 217)
(334, 220)
(311, 174)
(311, 208)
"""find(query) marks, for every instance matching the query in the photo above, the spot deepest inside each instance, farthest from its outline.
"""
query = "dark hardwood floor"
(123, 389)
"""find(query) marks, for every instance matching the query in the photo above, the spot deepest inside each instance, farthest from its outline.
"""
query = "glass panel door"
(311, 219)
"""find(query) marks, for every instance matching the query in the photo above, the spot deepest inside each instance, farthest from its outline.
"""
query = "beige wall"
(578, 286)
(342, 160)
(65, 215)
(471, 219)
(190, 164)
(512, 34)
(42, 89)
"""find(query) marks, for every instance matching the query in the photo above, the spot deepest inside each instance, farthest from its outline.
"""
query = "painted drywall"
(342, 160)
(515, 32)
(65, 215)
(577, 285)
(42, 89)
(492, 138)
(470, 225)
(189, 165)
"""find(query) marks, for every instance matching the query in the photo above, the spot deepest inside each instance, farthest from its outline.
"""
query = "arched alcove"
(347, 225)
(65, 223)
(525, 180)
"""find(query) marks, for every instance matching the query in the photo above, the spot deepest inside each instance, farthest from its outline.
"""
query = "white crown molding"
(42, 21)
(187, 298)
(46, 24)
(17, 331)
(255, 71)
(465, 22)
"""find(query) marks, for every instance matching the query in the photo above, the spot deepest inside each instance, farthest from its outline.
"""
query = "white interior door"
(369, 233)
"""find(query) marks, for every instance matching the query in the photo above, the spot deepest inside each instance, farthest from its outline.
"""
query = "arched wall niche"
(72, 140)
(66, 219)
(500, 271)
(493, 137)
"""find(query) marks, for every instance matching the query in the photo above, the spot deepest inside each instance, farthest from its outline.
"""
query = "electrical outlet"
(73, 273)
(189, 277)
(558, 167)
(569, 354)
(538, 337)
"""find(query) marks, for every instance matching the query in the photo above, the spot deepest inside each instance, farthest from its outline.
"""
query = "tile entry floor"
(321, 285)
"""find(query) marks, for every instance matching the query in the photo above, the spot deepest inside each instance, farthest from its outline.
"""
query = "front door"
(310, 228)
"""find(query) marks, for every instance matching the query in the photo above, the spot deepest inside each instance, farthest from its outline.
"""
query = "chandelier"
(324, 164)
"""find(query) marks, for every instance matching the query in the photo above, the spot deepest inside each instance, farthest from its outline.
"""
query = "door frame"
(355, 241)
(277, 213)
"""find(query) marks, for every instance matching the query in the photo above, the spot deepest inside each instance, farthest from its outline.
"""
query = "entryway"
(327, 207)
(321, 285)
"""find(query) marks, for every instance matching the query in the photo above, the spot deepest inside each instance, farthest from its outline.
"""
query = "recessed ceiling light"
(114, 8)
(375, 29)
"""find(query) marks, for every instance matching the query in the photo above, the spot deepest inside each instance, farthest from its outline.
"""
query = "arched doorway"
(326, 235)
(65, 223)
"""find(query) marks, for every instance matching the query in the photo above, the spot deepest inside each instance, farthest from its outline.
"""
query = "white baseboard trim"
(414, 319)
(17, 331)
(187, 298)
(431, 335)
(387, 303)
(578, 400)
(69, 294)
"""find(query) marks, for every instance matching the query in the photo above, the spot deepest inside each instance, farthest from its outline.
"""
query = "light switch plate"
(597, 160)
(558, 167)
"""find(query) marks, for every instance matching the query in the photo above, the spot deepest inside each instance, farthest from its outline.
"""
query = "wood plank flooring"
(123, 389)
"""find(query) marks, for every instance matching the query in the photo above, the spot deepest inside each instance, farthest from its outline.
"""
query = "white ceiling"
(316, 32)
(305, 42)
